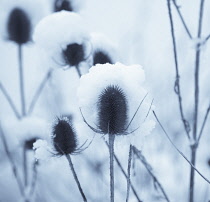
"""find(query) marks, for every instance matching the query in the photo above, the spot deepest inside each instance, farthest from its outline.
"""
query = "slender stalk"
(25, 169)
(149, 170)
(21, 80)
(175, 147)
(76, 178)
(129, 173)
(9, 100)
(196, 104)
(78, 71)
(12, 163)
(177, 88)
(39, 91)
(111, 155)
(34, 178)
(124, 173)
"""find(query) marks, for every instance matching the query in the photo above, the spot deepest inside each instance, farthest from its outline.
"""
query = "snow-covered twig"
(124, 173)
(149, 170)
(12, 163)
(75, 177)
(203, 125)
(129, 173)
(193, 167)
(182, 19)
(39, 91)
(177, 88)
(9, 100)
(21, 80)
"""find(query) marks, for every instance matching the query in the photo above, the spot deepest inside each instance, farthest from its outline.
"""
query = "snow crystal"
(130, 79)
(56, 31)
(42, 150)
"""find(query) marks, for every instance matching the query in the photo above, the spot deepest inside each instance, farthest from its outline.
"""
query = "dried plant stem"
(182, 19)
(39, 91)
(21, 80)
(124, 173)
(78, 71)
(177, 88)
(34, 178)
(111, 156)
(25, 167)
(149, 170)
(12, 163)
(175, 147)
(75, 177)
(129, 173)
(9, 100)
(196, 104)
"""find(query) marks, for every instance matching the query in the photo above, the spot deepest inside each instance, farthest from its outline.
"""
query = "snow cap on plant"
(18, 18)
(64, 137)
(66, 41)
(103, 50)
(109, 96)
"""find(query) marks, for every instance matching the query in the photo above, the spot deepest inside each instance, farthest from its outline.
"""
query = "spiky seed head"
(63, 5)
(74, 54)
(19, 26)
(112, 110)
(64, 137)
(100, 57)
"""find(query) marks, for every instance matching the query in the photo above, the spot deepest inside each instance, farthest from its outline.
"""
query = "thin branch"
(34, 178)
(178, 149)
(182, 19)
(149, 170)
(129, 173)
(9, 100)
(39, 91)
(177, 88)
(203, 125)
(76, 178)
(12, 163)
(124, 173)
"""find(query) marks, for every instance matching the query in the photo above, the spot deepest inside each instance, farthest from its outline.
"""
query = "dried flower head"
(63, 5)
(19, 26)
(112, 110)
(28, 144)
(100, 57)
(64, 137)
(73, 54)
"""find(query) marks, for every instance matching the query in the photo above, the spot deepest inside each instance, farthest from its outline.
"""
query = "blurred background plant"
(34, 89)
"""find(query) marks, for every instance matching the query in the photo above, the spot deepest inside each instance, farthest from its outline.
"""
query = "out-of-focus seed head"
(74, 54)
(64, 137)
(101, 57)
(19, 26)
(209, 162)
(112, 111)
(63, 5)
(28, 144)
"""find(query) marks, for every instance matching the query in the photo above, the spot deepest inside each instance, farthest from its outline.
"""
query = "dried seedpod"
(62, 5)
(101, 57)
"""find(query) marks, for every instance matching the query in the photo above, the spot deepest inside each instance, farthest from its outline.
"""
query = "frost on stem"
(64, 137)
(112, 110)
(63, 5)
(100, 57)
(19, 26)
(74, 54)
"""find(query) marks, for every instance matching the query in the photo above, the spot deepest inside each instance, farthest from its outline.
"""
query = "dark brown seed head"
(100, 57)
(62, 5)
(19, 26)
(112, 110)
(64, 137)
(74, 54)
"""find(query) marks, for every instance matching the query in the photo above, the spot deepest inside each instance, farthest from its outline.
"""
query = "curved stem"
(76, 178)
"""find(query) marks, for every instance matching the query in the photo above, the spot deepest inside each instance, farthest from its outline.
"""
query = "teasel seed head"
(112, 111)
(74, 54)
(19, 26)
(28, 144)
(100, 57)
(64, 137)
(63, 5)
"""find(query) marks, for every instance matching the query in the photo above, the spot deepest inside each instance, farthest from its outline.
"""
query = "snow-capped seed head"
(63, 5)
(29, 143)
(112, 110)
(100, 57)
(19, 26)
(73, 54)
(64, 137)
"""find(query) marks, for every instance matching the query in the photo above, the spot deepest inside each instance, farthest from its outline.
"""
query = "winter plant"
(80, 98)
